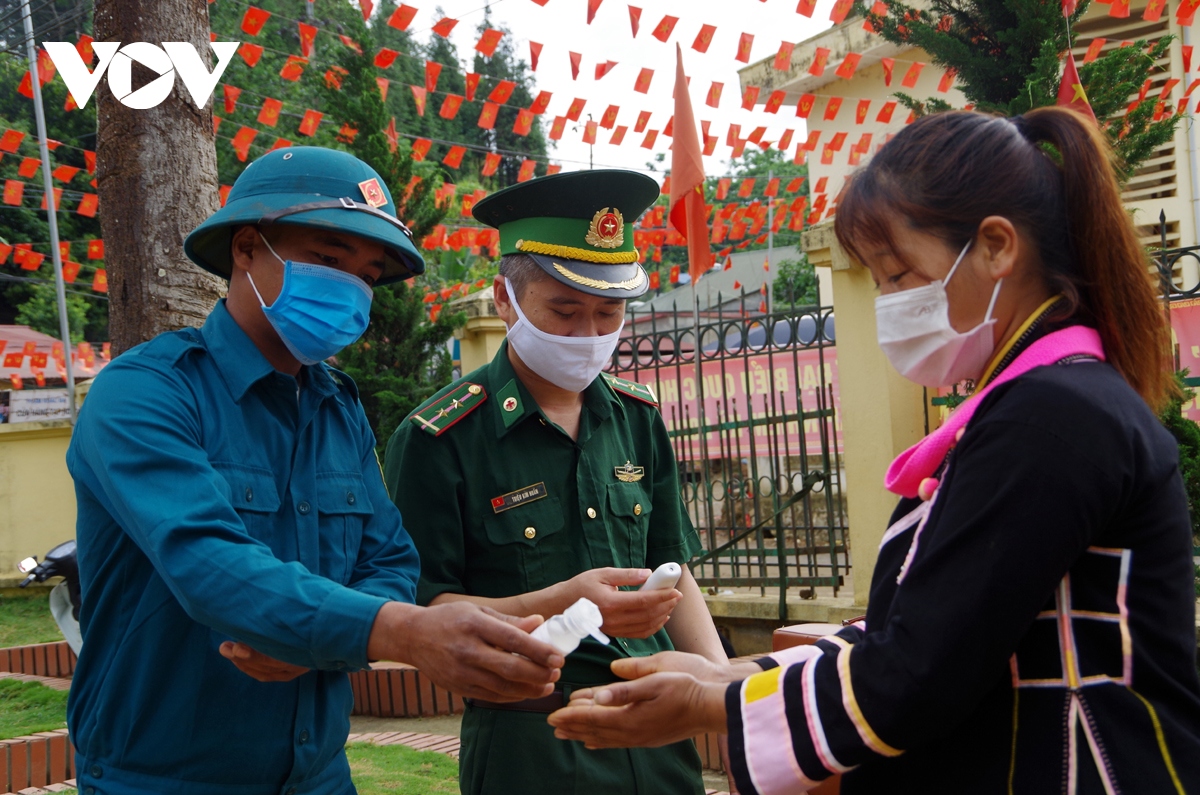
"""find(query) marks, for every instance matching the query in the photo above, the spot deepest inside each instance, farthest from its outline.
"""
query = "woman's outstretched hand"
(656, 710)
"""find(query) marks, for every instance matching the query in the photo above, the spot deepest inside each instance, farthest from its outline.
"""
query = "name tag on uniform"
(519, 497)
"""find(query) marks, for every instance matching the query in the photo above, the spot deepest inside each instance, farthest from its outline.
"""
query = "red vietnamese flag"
(95, 249)
(254, 19)
(280, 143)
(539, 105)
(674, 273)
(714, 94)
(589, 132)
(746, 188)
(635, 19)
(734, 133)
(848, 65)
(383, 84)
(100, 281)
(910, 77)
(688, 214)
(642, 120)
(444, 26)
(308, 35)
(269, 114)
(592, 6)
(89, 160)
(576, 59)
(472, 84)
(642, 85)
(610, 117)
(885, 113)
(1119, 9)
(402, 17)
(526, 172)
(774, 102)
(501, 93)
(772, 189)
(535, 52)
(662, 31)
(242, 140)
(860, 112)
(794, 186)
(351, 43)
(293, 68)
(488, 41)
(67, 173)
(1153, 11)
(723, 188)
(250, 53)
(832, 108)
(84, 48)
(88, 205)
(450, 106)
(804, 105)
(576, 108)
(750, 97)
(785, 140)
(947, 80)
(25, 89)
(333, 77)
(385, 57)
(783, 58)
(1187, 57)
(557, 127)
(820, 59)
(487, 116)
(347, 134)
(32, 261)
(836, 145)
(1070, 90)
(432, 70)
(604, 68)
(1093, 50)
(419, 97)
(618, 135)
(889, 64)
(70, 271)
(392, 136)
(651, 137)
(367, 7)
(17, 382)
(490, 164)
(704, 38)
(29, 167)
(523, 123)
(744, 44)
(453, 158)
(420, 148)
(655, 280)
(806, 8)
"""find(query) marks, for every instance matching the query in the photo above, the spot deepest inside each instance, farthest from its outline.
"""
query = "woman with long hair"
(1031, 624)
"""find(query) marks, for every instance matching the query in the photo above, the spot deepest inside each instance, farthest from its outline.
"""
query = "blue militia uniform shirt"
(218, 501)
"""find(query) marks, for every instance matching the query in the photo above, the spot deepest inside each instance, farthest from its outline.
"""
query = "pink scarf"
(920, 461)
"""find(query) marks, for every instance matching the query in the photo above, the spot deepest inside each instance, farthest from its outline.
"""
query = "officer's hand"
(627, 614)
(648, 713)
(259, 666)
(467, 649)
(701, 668)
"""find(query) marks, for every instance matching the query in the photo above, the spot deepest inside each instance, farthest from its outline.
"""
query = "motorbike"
(64, 597)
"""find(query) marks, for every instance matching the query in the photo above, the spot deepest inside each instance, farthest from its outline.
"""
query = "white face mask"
(916, 336)
(570, 363)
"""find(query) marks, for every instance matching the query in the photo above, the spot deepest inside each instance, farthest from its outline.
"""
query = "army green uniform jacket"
(500, 502)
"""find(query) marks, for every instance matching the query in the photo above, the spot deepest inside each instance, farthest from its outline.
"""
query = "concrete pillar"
(882, 413)
(480, 338)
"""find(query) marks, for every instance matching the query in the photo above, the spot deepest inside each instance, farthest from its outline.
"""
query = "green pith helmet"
(313, 187)
(578, 226)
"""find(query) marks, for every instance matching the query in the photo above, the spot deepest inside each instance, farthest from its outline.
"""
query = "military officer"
(537, 480)
(237, 550)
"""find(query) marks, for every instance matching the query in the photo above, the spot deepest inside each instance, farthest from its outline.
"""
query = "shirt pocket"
(253, 494)
(629, 505)
(524, 547)
(344, 509)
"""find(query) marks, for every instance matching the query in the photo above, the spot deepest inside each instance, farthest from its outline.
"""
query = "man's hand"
(468, 649)
(701, 668)
(648, 713)
(627, 614)
(259, 666)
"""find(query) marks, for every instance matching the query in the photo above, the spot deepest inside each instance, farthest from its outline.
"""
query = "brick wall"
(43, 659)
(36, 761)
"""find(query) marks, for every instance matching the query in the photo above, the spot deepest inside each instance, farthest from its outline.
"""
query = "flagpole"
(39, 112)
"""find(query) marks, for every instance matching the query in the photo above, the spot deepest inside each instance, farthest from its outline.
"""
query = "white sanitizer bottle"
(565, 631)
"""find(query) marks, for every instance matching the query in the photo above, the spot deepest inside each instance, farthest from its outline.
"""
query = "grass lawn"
(28, 707)
(388, 769)
(26, 619)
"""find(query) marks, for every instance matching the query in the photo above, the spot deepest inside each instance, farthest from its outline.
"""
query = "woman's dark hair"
(946, 172)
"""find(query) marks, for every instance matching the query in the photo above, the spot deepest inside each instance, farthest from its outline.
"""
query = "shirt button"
(591, 512)
(304, 737)
(350, 498)
(637, 509)
(249, 495)
(97, 771)
(530, 532)
(303, 508)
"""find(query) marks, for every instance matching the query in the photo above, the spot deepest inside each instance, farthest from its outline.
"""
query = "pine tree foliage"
(1008, 59)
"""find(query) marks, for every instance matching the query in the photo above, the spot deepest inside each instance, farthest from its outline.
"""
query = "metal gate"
(756, 432)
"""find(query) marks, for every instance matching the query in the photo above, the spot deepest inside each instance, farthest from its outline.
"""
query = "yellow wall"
(882, 413)
(478, 341)
(37, 495)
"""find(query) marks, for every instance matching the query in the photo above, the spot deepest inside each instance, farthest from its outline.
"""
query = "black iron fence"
(749, 395)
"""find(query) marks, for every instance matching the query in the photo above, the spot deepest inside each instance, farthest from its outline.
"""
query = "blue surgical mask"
(319, 309)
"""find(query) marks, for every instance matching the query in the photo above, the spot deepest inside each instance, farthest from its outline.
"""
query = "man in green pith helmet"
(238, 552)
(537, 480)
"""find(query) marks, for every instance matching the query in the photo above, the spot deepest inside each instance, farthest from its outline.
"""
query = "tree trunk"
(157, 180)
